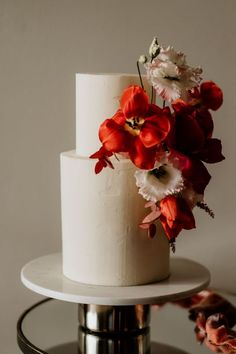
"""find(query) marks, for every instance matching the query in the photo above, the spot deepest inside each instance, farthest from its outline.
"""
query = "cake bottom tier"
(102, 243)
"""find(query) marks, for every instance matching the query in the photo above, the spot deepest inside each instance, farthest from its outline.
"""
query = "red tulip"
(134, 102)
(208, 95)
(194, 172)
(137, 128)
(175, 216)
(194, 124)
(211, 95)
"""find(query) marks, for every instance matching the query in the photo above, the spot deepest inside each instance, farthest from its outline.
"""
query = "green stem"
(152, 95)
(140, 77)
(152, 86)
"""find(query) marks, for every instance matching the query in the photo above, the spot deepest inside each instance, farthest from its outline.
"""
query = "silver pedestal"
(110, 319)
(114, 329)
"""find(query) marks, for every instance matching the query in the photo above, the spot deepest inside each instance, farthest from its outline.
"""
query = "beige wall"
(42, 44)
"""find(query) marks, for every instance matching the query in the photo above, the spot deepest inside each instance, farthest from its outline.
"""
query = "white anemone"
(156, 184)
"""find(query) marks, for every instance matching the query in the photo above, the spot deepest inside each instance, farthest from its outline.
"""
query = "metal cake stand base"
(155, 348)
(114, 320)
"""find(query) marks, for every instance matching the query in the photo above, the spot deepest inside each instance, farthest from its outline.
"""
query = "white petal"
(154, 188)
(171, 77)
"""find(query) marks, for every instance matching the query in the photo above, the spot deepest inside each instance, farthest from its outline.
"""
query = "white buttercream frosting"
(102, 242)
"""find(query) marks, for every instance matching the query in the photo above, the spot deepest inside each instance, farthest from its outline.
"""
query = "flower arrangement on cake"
(168, 144)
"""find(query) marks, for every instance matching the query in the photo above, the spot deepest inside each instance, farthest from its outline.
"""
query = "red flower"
(194, 124)
(103, 159)
(134, 102)
(209, 95)
(194, 171)
(136, 128)
(196, 175)
(175, 216)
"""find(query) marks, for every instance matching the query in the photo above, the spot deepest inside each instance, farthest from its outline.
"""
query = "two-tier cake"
(133, 155)
(102, 241)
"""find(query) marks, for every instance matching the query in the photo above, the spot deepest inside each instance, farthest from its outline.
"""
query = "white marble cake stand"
(44, 276)
(117, 318)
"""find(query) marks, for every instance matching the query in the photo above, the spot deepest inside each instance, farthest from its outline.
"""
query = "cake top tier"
(97, 98)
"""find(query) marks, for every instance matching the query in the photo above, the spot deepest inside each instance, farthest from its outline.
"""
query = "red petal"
(119, 117)
(189, 135)
(168, 207)
(134, 102)
(141, 156)
(182, 107)
(170, 233)
(153, 109)
(195, 93)
(177, 213)
(101, 153)
(179, 161)
(211, 94)
(98, 167)
(212, 151)
(96, 155)
(197, 175)
(205, 121)
(155, 129)
(113, 136)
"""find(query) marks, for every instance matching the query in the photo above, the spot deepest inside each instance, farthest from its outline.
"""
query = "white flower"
(170, 75)
(156, 184)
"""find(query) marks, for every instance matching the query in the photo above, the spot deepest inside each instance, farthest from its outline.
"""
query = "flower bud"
(142, 59)
(154, 49)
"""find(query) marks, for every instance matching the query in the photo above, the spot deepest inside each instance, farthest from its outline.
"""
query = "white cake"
(102, 243)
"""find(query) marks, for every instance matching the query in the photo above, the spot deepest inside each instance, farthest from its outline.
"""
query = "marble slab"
(44, 276)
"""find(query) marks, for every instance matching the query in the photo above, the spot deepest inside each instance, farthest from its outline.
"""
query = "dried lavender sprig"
(206, 208)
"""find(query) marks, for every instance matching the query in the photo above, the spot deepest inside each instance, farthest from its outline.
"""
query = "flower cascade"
(169, 145)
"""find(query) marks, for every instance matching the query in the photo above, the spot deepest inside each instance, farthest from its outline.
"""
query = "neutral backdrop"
(43, 43)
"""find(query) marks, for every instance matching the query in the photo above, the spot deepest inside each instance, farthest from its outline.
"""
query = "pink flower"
(170, 75)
